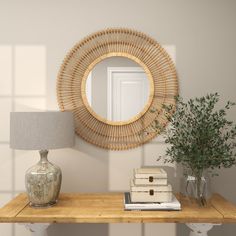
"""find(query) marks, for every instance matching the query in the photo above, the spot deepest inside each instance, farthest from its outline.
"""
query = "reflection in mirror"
(117, 89)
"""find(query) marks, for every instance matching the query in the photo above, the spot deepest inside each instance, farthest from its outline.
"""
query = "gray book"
(174, 205)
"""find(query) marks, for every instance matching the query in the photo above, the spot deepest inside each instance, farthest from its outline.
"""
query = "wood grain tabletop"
(109, 208)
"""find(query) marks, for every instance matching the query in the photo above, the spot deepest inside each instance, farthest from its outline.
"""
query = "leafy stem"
(200, 136)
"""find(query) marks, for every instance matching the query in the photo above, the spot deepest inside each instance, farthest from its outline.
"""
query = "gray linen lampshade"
(41, 130)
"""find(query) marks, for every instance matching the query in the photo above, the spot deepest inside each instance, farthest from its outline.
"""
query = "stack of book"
(149, 190)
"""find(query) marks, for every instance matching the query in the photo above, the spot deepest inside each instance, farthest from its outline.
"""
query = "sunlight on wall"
(22, 88)
(30, 70)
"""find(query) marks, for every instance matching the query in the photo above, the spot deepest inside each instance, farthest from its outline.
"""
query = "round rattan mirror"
(73, 79)
(118, 90)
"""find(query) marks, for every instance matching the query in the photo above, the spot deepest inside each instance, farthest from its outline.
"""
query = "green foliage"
(200, 137)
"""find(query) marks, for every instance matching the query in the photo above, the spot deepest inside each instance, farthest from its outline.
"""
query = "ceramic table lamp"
(42, 131)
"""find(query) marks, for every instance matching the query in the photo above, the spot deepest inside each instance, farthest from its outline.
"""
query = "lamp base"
(43, 182)
(50, 204)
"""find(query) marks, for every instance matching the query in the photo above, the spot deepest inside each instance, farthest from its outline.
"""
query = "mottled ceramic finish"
(43, 182)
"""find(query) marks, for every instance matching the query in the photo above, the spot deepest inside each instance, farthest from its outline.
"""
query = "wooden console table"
(108, 208)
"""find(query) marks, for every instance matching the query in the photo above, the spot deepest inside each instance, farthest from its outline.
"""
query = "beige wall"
(36, 35)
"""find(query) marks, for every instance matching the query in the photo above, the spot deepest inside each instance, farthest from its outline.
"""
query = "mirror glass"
(117, 88)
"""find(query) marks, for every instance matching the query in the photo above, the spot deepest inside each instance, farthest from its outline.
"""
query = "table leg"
(200, 229)
(37, 229)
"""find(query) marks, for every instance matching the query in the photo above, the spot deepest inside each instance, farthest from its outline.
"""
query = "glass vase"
(43, 182)
(198, 188)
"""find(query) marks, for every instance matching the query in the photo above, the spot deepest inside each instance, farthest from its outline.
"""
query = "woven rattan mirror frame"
(117, 42)
(151, 88)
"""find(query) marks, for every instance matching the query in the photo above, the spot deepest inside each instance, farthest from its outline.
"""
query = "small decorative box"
(150, 176)
(147, 193)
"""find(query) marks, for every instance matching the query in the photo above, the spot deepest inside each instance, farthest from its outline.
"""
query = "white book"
(174, 205)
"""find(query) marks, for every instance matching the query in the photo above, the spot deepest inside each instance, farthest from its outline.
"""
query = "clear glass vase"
(198, 188)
